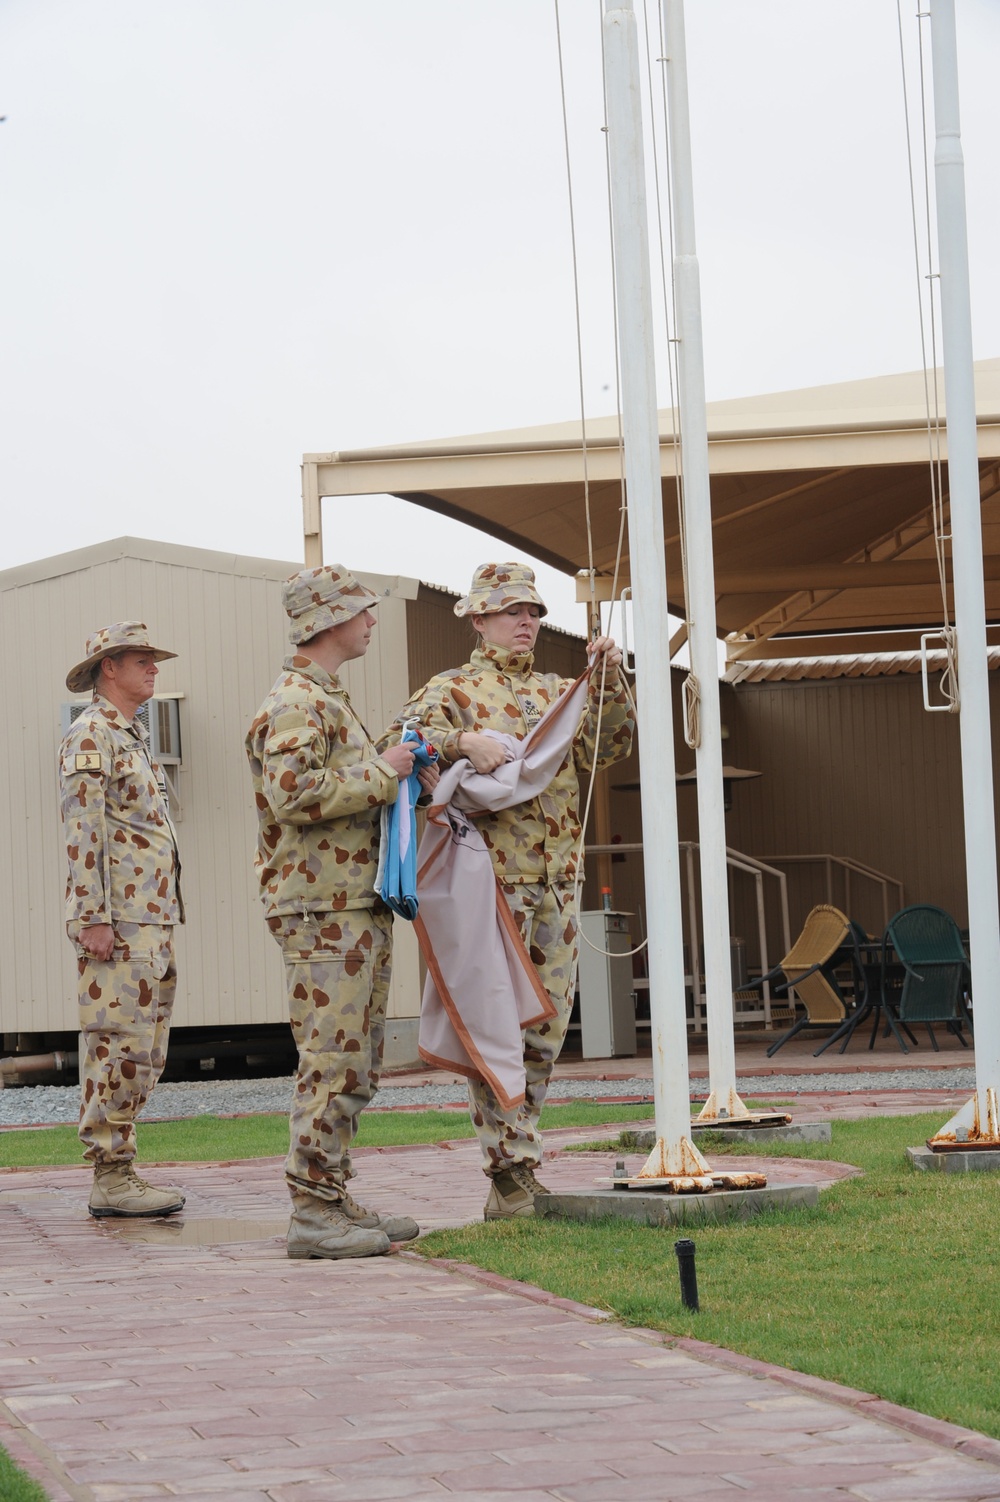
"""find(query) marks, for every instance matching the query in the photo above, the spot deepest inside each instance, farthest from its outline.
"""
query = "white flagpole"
(978, 1120)
(674, 1155)
(724, 1101)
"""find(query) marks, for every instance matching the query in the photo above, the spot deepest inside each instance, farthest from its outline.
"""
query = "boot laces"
(333, 1211)
(524, 1175)
(134, 1178)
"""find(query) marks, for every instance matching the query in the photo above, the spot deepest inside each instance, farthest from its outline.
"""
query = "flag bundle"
(396, 878)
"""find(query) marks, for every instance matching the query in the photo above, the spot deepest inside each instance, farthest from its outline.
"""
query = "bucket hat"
(125, 636)
(495, 586)
(321, 597)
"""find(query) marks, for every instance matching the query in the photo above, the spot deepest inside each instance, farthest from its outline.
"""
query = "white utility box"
(607, 1010)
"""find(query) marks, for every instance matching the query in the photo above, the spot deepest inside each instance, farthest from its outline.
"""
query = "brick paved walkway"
(172, 1361)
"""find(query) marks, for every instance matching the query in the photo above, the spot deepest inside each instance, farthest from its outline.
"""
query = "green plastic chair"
(927, 944)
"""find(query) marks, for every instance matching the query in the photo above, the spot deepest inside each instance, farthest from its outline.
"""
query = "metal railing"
(849, 866)
(736, 861)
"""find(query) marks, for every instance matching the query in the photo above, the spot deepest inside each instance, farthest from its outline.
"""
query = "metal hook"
(627, 591)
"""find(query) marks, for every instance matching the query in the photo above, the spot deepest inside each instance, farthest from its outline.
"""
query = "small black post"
(689, 1278)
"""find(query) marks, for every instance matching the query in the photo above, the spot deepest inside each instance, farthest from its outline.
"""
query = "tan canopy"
(821, 506)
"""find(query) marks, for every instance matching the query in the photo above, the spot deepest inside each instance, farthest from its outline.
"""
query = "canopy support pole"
(674, 1160)
(977, 1122)
(723, 1102)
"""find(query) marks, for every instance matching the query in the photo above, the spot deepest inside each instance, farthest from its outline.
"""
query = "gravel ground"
(34, 1105)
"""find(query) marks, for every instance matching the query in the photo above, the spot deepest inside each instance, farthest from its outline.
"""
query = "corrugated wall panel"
(857, 768)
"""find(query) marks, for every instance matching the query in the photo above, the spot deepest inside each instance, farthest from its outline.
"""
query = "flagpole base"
(676, 1166)
(728, 1110)
(965, 1131)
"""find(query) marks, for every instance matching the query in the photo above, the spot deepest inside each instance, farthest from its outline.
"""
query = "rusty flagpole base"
(966, 1132)
(731, 1112)
(679, 1168)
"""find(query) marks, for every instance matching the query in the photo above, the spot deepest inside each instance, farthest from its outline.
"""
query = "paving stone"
(225, 1371)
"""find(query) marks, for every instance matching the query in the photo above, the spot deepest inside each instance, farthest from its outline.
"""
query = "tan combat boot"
(396, 1227)
(118, 1190)
(513, 1192)
(319, 1228)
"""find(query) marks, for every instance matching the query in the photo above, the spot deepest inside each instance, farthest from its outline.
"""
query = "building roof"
(853, 665)
(208, 560)
(821, 502)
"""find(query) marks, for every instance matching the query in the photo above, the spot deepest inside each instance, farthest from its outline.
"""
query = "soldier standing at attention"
(320, 786)
(533, 845)
(122, 902)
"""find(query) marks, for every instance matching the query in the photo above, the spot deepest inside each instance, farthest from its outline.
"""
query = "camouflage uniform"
(124, 870)
(319, 785)
(533, 845)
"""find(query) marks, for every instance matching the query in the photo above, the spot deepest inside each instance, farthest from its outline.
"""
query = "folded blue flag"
(396, 881)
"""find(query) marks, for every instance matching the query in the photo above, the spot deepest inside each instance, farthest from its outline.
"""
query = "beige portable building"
(222, 614)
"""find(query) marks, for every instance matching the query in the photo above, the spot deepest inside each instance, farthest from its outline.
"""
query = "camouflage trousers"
(337, 976)
(125, 1008)
(546, 921)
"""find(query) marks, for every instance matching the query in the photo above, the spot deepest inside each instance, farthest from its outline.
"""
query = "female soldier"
(533, 845)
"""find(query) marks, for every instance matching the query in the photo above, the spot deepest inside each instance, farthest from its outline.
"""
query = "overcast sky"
(237, 231)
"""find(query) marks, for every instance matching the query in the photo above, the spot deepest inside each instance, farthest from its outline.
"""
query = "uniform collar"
(502, 660)
(307, 667)
(114, 717)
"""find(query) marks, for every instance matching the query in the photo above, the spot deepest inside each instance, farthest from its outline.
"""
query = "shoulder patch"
(291, 719)
(89, 761)
(291, 728)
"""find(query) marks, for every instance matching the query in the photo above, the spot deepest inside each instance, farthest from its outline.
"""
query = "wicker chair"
(828, 940)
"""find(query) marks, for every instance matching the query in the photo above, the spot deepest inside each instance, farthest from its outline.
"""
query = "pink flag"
(482, 989)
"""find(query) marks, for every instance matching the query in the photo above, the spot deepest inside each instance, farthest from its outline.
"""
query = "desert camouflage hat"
(495, 586)
(321, 597)
(125, 636)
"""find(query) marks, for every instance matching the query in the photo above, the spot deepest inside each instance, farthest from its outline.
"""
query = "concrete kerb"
(33, 1457)
(814, 1131)
(664, 1209)
(966, 1442)
(971, 1161)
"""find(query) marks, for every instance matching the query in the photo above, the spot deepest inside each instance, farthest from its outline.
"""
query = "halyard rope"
(692, 688)
(949, 686)
(595, 607)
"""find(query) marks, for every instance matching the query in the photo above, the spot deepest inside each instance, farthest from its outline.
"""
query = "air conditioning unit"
(160, 719)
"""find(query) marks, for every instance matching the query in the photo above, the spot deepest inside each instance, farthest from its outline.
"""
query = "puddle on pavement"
(169, 1230)
(173, 1230)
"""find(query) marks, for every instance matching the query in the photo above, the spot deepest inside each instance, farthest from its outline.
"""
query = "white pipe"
(703, 642)
(967, 555)
(649, 581)
(694, 958)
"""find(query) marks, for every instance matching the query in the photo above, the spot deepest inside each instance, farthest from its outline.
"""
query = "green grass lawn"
(201, 1139)
(892, 1284)
(15, 1486)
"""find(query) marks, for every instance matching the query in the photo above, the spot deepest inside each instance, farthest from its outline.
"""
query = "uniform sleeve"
(439, 717)
(611, 740)
(298, 783)
(84, 768)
